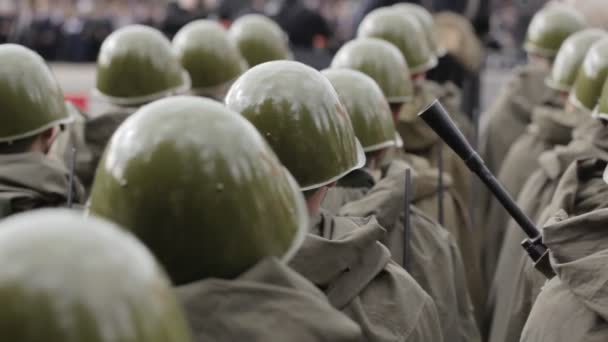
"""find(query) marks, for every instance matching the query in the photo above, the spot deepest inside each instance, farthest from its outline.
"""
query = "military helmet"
(136, 65)
(201, 188)
(570, 57)
(367, 107)
(591, 76)
(382, 62)
(259, 39)
(298, 112)
(211, 58)
(550, 27)
(426, 21)
(402, 30)
(30, 96)
(65, 277)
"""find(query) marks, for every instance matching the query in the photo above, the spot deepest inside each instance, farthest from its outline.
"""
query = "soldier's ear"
(47, 138)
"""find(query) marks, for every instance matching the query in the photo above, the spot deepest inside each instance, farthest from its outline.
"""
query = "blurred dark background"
(72, 30)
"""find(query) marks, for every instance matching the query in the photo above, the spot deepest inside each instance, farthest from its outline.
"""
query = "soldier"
(581, 194)
(510, 113)
(298, 112)
(33, 113)
(552, 125)
(385, 64)
(402, 29)
(508, 117)
(69, 278)
(210, 57)
(136, 65)
(259, 39)
(372, 121)
(444, 279)
(195, 181)
(588, 140)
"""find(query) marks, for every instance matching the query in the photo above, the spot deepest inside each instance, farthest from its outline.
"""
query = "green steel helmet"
(381, 61)
(591, 76)
(550, 27)
(402, 30)
(136, 65)
(68, 278)
(298, 112)
(366, 105)
(570, 57)
(426, 21)
(201, 188)
(211, 58)
(259, 39)
(30, 96)
(601, 109)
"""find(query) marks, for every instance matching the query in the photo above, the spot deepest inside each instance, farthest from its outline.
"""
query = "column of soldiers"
(231, 194)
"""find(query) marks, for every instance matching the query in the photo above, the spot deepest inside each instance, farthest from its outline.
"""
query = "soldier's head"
(33, 108)
(401, 28)
(136, 65)
(299, 113)
(569, 59)
(259, 39)
(368, 110)
(210, 57)
(547, 31)
(69, 278)
(201, 188)
(384, 63)
(592, 74)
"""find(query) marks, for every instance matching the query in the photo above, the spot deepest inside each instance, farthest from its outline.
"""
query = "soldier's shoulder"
(410, 300)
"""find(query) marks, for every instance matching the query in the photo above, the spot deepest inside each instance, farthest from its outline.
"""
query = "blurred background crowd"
(72, 30)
